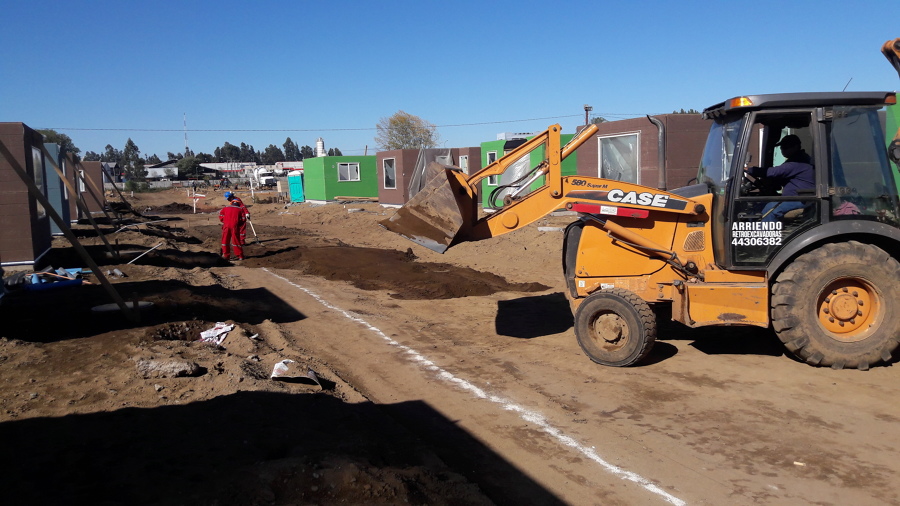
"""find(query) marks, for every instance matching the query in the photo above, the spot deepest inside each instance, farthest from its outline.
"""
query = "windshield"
(715, 166)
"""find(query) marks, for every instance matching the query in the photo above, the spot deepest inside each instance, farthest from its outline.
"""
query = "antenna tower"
(186, 151)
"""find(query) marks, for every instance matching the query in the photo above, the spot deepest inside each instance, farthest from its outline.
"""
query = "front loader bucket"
(436, 215)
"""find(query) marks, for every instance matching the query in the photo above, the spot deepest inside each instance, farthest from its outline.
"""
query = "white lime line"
(525, 414)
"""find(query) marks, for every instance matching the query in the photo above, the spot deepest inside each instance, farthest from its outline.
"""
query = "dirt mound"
(173, 208)
(402, 273)
(391, 270)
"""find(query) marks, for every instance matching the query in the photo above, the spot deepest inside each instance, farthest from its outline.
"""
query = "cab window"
(860, 185)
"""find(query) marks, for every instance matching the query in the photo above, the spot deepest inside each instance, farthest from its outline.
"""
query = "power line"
(323, 129)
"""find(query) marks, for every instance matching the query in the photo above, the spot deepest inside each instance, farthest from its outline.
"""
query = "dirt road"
(451, 379)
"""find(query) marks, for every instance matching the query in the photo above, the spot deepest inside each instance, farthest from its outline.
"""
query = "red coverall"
(243, 229)
(232, 219)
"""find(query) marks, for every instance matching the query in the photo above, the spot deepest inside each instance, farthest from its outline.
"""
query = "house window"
(464, 163)
(491, 158)
(620, 157)
(390, 173)
(348, 171)
(81, 181)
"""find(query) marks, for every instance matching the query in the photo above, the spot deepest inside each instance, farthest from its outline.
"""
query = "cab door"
(755, 233)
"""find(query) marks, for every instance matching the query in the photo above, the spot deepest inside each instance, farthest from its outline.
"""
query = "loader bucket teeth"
(437, 215)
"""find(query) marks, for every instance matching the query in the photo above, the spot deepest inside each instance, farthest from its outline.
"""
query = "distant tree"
(90, 156)
(112, 155)
(153, 159)
(689, 111)
(337, 152)
(189, 166)
(306, 152)
(132, 163)
(330, 152)
(405, 131)
(204, 157)
(291, 151)
(65, 142)
(596, 120)
(272, 154)
(247, 153)
(228, 153)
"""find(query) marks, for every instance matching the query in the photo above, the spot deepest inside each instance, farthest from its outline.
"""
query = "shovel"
(252, 229)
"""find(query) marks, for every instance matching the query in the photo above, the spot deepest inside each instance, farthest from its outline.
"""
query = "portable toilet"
(295, 186)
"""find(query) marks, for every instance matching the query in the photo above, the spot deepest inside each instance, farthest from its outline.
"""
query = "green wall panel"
(569, 165)
(320, 177)
(314, 178)
(892, 123)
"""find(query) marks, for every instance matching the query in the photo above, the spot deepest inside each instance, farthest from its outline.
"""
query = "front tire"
(838, 306)
(615, 327)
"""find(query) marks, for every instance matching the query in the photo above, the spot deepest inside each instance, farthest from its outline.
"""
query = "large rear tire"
(838, 306)
(615, 327)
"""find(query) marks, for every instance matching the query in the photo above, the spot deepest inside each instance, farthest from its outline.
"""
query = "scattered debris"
(50, 278)
(148, 251)
(217, 334)
(138, 224)
(115, 273)
(282, 372)
(313, 376)
(281, 369)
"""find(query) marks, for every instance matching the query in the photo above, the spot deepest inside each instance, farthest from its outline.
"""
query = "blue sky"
(259, 72)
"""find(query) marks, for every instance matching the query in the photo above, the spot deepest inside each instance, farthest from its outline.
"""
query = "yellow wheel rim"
(850, 309)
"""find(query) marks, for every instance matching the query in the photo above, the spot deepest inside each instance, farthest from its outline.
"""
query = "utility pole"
(185, 136)
(587, 110)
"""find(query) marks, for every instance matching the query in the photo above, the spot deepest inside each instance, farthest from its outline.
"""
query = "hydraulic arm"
(445, 212)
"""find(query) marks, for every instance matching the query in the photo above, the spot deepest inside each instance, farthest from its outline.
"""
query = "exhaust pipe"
(660, 151)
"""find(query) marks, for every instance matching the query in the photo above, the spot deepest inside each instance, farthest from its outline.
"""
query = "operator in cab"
(795, 174)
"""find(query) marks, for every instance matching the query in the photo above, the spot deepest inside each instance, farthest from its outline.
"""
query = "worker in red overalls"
(232, 198)
(232, 219)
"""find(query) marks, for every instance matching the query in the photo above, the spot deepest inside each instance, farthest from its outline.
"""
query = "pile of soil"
(173, 208)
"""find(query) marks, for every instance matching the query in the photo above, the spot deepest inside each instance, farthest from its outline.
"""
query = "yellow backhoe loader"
(824, 274)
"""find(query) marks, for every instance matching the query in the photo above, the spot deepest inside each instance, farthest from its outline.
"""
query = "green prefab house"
(327, 177)
(494, 150)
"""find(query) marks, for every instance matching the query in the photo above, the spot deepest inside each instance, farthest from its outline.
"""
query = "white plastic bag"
(217, 334)
(282, 369)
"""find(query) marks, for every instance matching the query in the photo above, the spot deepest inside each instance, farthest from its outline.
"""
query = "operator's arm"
(756, 171)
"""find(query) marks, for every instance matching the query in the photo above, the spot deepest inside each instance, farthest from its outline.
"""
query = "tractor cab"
(791, 170)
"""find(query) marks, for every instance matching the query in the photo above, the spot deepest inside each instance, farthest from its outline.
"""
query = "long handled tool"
(254, 231)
